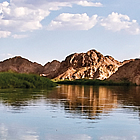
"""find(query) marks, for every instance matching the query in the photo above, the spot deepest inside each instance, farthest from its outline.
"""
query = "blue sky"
(44, 30)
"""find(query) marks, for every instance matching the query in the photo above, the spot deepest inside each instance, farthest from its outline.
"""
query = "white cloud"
(117, 22)
(15, 18)
(66, 21)
(26, 15)
(4, 34)
(19, 36)
(87, 3)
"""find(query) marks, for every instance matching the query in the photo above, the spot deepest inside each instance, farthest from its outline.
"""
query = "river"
(70, 113)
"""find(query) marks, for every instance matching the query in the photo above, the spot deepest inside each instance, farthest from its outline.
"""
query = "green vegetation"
(95, 82)
(15, 80)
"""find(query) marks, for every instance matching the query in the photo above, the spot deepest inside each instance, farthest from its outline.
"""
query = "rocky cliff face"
(20, 65)
(129, 71)
(92, 65)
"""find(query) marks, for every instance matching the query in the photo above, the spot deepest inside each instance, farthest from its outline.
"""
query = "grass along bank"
(96, 82)
(16, 80)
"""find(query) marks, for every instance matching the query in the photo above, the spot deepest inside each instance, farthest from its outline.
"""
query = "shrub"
(15, 80)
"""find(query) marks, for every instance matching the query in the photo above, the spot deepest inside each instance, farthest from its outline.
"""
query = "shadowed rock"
(129, 72)
(20, 65)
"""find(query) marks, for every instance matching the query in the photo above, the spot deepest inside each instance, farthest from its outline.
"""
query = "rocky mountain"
(50, 68)
(92, 65)
(129, 71)
(20, 65)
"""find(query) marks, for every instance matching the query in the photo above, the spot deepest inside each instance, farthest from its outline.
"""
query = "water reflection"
(72, 112)
(19, 99)
(84, 101)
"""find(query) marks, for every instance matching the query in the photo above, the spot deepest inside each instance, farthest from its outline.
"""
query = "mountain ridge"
(91, 64)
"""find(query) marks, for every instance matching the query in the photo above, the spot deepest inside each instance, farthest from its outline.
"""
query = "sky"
(46, 30)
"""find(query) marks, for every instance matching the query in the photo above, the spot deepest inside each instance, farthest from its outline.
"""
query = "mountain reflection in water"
(83, 101)
(86, 101)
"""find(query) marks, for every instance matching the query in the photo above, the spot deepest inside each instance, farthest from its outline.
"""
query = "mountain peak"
(91, 64)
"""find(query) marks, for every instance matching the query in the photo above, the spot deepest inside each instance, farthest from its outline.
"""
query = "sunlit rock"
(91, 65)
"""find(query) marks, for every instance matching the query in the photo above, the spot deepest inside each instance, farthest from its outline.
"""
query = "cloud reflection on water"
(8, 132)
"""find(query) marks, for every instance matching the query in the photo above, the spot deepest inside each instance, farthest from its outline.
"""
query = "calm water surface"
(70, 113)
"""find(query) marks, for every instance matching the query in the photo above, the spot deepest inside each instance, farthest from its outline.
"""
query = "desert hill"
(129, 71)
(20, 65)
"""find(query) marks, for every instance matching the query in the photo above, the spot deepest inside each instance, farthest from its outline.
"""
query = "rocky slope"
(50, 68)
(91, 64)
(20, 65)
(129, 71)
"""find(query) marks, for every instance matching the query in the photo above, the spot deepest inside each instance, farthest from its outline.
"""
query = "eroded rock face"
(129, 71)
(92, 65)
(50, 68)
(20, 65)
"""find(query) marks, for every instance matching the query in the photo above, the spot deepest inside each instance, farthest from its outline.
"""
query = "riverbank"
(16, 80)
(96, 82)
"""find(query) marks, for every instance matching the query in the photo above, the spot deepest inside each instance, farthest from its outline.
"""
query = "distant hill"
(129, 71)
(20, 65)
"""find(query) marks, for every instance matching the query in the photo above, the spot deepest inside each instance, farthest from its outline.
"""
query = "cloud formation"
(19, 16)
(26, 15)
(114, 22)
(22, 16)
(117, 22)
(87, 3)
(66, 21)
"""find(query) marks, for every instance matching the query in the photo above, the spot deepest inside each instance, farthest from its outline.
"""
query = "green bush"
(15, 80)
